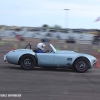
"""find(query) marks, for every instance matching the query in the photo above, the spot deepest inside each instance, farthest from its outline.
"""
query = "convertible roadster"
(27, 58)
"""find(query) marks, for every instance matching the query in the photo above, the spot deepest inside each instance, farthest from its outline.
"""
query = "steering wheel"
(29, 46)
(51, 50)
(47, 50)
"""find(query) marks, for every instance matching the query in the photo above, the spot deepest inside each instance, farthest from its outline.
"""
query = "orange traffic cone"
(97, 64)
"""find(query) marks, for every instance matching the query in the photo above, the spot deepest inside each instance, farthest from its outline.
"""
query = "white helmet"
(41, 46)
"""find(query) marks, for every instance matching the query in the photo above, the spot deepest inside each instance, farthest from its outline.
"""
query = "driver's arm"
(46, 51)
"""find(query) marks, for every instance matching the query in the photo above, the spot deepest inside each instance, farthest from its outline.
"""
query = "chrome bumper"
(5, 58)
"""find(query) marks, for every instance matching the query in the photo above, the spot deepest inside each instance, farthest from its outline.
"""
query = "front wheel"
(81, 65)
(27, 62)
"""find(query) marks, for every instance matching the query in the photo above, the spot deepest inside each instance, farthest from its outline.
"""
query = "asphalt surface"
(48, 84)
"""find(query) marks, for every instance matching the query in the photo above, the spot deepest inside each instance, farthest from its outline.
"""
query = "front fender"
(92, 60)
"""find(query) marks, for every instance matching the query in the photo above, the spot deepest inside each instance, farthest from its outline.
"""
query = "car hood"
(76, 53)
(65, 51)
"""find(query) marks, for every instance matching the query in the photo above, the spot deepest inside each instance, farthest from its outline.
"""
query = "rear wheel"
(27, 62)
(81, 65)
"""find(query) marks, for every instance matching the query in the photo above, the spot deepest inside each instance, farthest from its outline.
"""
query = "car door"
(45, 59)
(62, 59)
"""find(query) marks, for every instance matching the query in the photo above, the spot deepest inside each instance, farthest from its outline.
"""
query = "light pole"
(66, 17)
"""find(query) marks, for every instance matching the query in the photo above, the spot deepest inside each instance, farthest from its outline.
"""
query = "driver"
(40, 47)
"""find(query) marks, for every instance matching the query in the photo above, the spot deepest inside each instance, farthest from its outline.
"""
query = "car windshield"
(53, 48)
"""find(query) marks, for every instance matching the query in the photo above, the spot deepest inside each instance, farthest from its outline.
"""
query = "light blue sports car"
(28, 59)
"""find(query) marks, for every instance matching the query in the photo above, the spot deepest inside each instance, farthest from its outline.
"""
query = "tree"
(45, 26)
(57, 26)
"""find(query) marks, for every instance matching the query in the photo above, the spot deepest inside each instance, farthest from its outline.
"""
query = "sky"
(35, 13)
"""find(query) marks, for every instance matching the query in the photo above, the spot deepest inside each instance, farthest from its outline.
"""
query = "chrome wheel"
(27, 62)
(81, 65)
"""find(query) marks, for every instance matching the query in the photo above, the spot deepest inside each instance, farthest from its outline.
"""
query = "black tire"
(27, 62)
(81, 65)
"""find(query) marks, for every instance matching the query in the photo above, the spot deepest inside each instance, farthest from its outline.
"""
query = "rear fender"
(28, 55)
